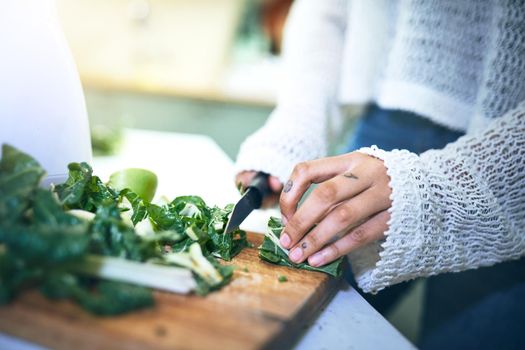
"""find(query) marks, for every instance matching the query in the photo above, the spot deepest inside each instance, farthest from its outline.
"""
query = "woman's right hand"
(245, 177)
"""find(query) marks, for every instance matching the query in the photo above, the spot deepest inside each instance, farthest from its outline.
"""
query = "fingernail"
(285, 240)
(296, 254)
(316, 259)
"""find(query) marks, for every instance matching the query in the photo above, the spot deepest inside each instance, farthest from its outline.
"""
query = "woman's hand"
(245, 177)
(347, 210)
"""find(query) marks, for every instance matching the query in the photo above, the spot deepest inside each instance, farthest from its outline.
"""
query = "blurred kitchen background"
(199, 66)
(193, 66)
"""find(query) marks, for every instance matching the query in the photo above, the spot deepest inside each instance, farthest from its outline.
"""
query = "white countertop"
(195, 164)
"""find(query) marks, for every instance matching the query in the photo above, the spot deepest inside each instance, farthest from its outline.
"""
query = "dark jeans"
(475, 309)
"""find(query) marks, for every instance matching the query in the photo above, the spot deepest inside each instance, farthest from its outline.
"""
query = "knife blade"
(251, 199)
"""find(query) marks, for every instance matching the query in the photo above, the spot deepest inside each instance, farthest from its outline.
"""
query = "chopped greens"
(46, 237)
(109, 298)
(282, 279)
(273, 252)
(198, 223)
(83, 190)
(211, 274)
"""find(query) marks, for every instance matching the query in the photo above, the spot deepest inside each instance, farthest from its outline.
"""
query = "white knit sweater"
(460, 63)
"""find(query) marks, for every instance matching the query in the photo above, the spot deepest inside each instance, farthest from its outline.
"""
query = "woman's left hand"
(347, 210)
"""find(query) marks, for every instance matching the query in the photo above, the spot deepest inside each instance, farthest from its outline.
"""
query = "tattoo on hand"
(304, 245)
(288, 186)
(350, 176)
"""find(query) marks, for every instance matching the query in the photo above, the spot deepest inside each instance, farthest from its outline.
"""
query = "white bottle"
(42, 106)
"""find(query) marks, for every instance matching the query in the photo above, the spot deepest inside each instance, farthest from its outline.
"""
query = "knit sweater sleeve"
(453, 209)
(298, 128)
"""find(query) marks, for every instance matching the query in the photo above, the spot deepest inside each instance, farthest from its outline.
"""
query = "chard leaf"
(108, 298)
(272, 252)
(52, 237)
(165, 218)
(46, 210)
(138, 205)
(189, 205)
(40, 241)
(83, 190)
(222, 245)
(19, 177)
(111, 236)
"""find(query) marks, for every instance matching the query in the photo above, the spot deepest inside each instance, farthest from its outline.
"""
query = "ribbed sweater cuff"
(390, 261)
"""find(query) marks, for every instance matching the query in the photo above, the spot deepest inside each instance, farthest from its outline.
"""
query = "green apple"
(141, 181)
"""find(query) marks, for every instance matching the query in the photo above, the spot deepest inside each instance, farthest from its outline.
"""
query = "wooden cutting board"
(254, 311)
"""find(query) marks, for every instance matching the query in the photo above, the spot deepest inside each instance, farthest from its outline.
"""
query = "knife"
(250, 200)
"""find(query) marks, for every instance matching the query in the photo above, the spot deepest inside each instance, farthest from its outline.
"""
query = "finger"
(306, 173)
(273, 198)
(244, 178)
(370, 231)
(321, 201)
(340, 219)
(275, 184)
(270, 200)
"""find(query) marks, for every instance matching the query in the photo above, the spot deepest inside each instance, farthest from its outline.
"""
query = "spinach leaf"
(272, 252)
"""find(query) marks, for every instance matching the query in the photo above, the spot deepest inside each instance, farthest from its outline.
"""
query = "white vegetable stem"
(269, 233)
(82, 214)
(197, 262)
(167, 278)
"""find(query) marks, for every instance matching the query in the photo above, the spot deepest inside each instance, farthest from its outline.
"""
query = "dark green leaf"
(39, 240)
(82, 190)
(19, 177)
(140, 210)
(270, 252)
(105, 299)
(111, 236)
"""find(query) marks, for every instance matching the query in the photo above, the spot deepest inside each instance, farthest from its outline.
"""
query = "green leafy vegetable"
(39, 239)
(282, 279)
(19, 176)
(210, 274)
(190, 216)
(176, 225)
(271, 251)
(109, 298)
(83, 190)
(45, 235)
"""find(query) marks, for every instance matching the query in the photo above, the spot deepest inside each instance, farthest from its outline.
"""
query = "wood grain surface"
(254, 311)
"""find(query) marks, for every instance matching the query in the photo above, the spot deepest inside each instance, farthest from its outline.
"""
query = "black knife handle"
(260, 183)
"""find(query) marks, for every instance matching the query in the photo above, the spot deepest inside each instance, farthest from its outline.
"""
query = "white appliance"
(42, 107)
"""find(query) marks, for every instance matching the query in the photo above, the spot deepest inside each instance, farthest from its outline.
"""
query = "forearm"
(453, 209)
(299, 127)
